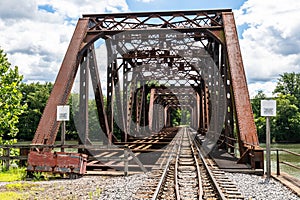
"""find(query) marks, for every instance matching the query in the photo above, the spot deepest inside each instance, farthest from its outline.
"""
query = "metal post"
(268, 141)
(7, 160)
(63, 135)
(277, 158)
(126, 160)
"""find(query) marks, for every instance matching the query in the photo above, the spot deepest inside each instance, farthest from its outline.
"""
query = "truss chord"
(168, 61)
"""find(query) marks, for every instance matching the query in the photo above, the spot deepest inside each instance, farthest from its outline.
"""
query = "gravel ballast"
(107, 187)
(255, 187)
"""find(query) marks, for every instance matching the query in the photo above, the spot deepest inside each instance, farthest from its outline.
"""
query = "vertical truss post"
(98, 91)
(166, 116)
(161, 117)
(110, 99)
(151, 110)
(194, 116)
(120, 111)
(198, 112)
(84, 101)
(130, 105)
(139, 106)
(169, 120)
(126, 69)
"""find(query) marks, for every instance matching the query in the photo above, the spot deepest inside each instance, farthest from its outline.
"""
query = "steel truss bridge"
(156, 63)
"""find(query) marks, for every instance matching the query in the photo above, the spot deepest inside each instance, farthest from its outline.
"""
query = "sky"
(35, 34)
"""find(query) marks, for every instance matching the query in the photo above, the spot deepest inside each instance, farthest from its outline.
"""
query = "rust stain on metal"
(243, 107)
(48, 126)
(219, 41)
(57, 162)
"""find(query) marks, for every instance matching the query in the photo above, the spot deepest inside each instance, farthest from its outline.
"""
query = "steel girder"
(197, 49)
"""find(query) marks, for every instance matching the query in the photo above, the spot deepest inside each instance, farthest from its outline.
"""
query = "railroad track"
(188, 175)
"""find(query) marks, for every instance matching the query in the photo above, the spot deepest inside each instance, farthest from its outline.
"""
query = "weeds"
(14, 174)
(19, 186)
(9, 195)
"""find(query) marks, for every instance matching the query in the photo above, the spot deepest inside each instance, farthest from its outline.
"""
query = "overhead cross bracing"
(158, 62)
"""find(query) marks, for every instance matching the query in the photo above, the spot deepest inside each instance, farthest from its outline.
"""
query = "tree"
(259, 121)
(289, 83)
(35, 96)
(10, 100)
(286, 125)
(287, 120)
(288, 104)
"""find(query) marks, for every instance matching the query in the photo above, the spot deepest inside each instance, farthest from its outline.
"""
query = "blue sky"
(35, 34)
(164, 5)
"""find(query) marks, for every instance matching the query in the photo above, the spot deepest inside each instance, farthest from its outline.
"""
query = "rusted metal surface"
(48, 126)
(57, 162)
(246, 125)
(247, 134)
(188, 60)
(98, 91)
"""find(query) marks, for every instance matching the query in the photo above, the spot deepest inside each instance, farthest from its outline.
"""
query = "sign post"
(63, 114)
(268, 109)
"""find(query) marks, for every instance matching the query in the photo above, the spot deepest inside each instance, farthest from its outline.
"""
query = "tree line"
(22, 105)
(285, 126)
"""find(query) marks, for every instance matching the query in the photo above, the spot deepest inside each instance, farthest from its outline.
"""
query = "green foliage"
(287, 121)
(18, 186)
(285, 127)
(16, 190)
(259, 121)
(38, 176)
(35, 96)
(10, 100)
(289, 83)
(176, 117)
(9, 195)
(15, 174)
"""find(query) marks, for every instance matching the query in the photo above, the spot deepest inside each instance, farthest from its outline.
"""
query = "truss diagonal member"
(246, 125)
(98, 91)
(48, 126)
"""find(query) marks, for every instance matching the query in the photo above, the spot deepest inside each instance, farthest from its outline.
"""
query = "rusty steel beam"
(98, 91)
(83, 128)
(154, 14)
(48, 126)
(245, 120)
(181, 59)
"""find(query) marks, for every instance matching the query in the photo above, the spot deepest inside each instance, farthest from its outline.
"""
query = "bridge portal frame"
(215, 26)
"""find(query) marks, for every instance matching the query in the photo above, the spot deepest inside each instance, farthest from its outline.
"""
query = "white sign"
(63, 113)
(268, 108)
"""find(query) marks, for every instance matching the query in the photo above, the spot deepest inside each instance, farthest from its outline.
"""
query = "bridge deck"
(228, 162)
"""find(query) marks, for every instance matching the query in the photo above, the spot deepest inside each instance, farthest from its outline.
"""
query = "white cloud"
(271, 43)
(267, 88)
(36, 39)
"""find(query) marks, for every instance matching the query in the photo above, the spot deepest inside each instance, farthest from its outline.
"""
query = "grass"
(9, 195)
(19, 186)
(16, 190)
(15, 174)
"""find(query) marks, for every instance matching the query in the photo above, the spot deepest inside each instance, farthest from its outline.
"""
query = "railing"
(6, 156)
(278, 162)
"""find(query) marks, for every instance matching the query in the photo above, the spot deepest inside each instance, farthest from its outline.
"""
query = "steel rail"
(210, 173)
(177, 188)
(200, 190)
(164, 174)
(176, 169)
